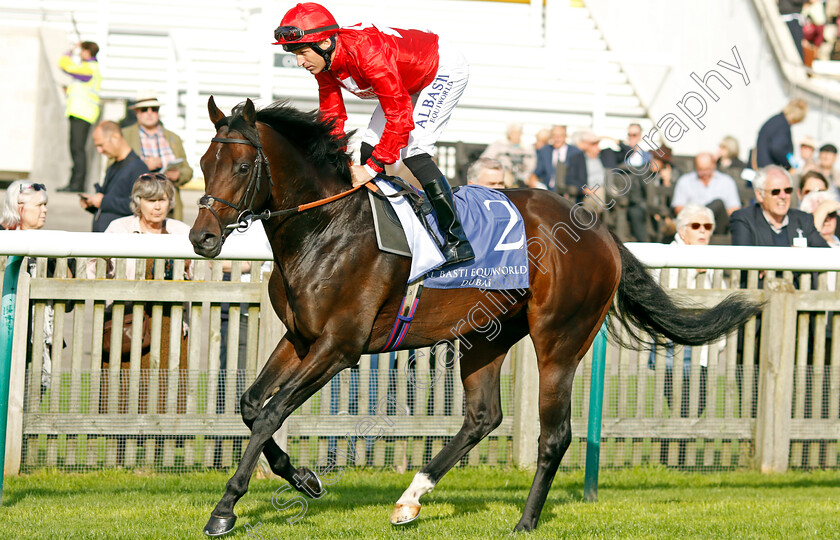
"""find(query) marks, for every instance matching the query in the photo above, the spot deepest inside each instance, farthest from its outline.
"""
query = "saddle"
(390, 235)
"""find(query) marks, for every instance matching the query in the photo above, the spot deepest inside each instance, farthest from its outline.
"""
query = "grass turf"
(469, 503)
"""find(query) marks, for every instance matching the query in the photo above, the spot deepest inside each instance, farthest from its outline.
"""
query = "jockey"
(417, 79)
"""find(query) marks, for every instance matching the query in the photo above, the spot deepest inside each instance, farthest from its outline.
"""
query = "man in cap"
(160, 149)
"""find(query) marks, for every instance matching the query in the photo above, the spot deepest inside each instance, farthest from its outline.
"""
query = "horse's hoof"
(309, 483)
(217, 526)
(404, 513)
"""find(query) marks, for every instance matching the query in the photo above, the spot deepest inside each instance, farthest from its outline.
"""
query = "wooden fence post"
(775, 377)
(526, 412)
(17, 378)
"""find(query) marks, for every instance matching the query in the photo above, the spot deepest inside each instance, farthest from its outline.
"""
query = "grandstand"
(536, 63)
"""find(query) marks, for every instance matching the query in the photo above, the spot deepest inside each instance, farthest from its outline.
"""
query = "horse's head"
(236, 178)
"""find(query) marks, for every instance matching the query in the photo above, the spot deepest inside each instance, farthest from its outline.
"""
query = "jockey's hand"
(360, 175)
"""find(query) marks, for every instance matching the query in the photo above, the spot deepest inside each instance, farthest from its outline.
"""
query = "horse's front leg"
(298, 380)
(251, 404)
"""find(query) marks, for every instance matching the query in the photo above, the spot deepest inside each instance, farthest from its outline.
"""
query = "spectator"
(771, 221)
(631, 151)
(589, 167)
(707, 187)
(810, 182)
(487, 172)
(112, 199)
(823, 205)
(552, 160)
(658, 207)
(813, 21)
(806, 160)
(82, 108)
(695, 225)
(728, 161)
(790, 11)
(775, 145)
(159, 148)
(825, 165)
(542, 138)
(518, 159)
(151, 198)
(666, 171)
(25, 208)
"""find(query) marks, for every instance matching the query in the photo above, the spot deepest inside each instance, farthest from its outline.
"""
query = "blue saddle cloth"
(496, 232)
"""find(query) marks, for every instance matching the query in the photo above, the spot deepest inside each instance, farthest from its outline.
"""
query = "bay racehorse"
(338, 296)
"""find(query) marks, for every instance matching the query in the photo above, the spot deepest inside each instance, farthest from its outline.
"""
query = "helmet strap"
(326, 54)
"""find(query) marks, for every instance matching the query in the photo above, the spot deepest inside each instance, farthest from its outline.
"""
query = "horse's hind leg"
(480, 369)
(555, 437)
(558, 353)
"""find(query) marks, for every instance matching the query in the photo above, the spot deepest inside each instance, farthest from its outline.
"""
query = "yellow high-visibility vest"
(82, 96)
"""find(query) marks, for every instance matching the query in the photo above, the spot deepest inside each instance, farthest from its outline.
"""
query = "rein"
(245, 206)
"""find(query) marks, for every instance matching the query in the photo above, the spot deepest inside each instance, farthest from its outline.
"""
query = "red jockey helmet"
(305, 23)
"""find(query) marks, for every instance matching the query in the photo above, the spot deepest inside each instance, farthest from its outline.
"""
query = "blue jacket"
(546, 170)
(774, 143)
(116, 190)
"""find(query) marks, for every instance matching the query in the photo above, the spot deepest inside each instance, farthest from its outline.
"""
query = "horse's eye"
(243, 168)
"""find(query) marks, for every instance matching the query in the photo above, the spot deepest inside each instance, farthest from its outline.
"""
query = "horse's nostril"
(203, 238)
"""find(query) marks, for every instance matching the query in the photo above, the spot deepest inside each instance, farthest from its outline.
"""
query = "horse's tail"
(642, 305)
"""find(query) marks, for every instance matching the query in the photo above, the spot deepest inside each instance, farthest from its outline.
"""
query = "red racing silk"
(387, 64)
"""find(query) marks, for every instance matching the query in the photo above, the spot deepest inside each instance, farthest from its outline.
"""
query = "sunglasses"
(696, 226)
(150, 177)
(776, 192)
(147, 109)
(293, 33)
(33, 187)
(807, 191)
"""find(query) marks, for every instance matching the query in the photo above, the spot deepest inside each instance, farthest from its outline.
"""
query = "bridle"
(245, 207)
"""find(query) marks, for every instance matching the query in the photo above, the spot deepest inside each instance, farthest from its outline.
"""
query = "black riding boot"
(456, 247)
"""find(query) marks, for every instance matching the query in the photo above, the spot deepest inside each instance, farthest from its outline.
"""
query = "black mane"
(307, 130)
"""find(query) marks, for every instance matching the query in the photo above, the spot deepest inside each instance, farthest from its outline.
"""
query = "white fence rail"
(148, 414)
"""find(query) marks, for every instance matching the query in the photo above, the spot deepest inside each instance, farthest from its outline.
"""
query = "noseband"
(245, 207)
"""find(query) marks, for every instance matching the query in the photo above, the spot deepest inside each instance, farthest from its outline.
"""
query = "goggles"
(293, 33)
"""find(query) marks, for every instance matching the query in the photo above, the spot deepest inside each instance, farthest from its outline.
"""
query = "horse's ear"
(215, 114)
(249, 113)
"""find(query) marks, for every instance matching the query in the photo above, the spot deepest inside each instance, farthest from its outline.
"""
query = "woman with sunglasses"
(695, 225)
(25, 208)
(417, 79)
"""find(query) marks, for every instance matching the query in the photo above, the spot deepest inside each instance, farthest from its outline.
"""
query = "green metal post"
(7, 328)
(596, 400)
